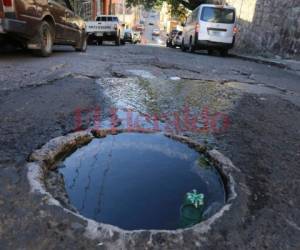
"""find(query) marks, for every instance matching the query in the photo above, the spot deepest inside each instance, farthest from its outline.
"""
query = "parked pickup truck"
(105, 28)
(38, 24)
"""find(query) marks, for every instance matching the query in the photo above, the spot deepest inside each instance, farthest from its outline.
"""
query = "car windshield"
(218, 15)
(101, 19)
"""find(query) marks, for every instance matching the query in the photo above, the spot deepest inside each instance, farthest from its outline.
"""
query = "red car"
(156, 32)
(39, 24)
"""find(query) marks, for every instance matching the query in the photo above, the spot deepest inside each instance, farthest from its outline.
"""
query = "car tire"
(82, 43)
(45, 40)
(118, 40)
(183, 48)
(99, 42)
(191, 46)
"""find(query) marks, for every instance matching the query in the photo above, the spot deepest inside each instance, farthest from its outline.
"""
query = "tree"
(189, 4)
(179, 8)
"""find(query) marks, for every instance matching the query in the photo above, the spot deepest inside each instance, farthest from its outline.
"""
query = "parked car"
(176, 41)
(40, 24)
(210, 27)
(170, 37)
(106, 28)
(128, 36)
(155, 32)
(140, 27)
(137, 38)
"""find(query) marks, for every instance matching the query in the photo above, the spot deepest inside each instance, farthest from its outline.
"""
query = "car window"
(109, 19)
(115, 19)
(61, 2)
(217, 15)
(101, 19)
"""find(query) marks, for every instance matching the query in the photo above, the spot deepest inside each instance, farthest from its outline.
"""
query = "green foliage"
(147, 4)
(189, 4)
(203, 162)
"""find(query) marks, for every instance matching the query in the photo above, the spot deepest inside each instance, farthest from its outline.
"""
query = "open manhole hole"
(142, 181)
(134, 181)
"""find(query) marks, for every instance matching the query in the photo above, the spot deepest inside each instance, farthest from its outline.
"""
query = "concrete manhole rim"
(43, 160)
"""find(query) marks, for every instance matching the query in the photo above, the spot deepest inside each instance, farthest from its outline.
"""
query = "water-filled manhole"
(139, 181)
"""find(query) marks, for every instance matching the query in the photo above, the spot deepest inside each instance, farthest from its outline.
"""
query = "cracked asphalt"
(39, 98)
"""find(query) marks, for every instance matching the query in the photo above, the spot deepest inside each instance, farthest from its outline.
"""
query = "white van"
(211, 27)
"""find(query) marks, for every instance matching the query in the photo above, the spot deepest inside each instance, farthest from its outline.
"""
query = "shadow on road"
(202, 52)
(10, 51)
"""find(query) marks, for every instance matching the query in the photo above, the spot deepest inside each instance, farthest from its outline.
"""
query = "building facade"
(89, 9)
(268, 27)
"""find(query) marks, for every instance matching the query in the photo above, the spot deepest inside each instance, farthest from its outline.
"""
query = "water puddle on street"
(141, 181)
(168, 105)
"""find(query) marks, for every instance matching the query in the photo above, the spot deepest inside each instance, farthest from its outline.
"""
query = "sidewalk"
(289, 64)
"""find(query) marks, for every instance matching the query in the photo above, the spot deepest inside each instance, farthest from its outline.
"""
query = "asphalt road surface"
(38, 100)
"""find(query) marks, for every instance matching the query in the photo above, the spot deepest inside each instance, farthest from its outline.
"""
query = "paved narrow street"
(39, 98)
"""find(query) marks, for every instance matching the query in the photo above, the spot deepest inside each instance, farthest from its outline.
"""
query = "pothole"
(134, 181)
(139, 181)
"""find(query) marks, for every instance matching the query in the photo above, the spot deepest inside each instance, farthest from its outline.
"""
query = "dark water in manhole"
(138, 181)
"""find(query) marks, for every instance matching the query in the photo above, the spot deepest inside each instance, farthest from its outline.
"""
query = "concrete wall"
(268, 27)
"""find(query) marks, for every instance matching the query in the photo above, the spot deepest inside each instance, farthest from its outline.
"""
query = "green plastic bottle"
(192, 209)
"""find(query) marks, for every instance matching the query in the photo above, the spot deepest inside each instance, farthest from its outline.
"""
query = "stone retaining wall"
(268, 27)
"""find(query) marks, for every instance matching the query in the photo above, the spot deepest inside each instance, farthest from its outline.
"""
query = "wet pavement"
(248, 111)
